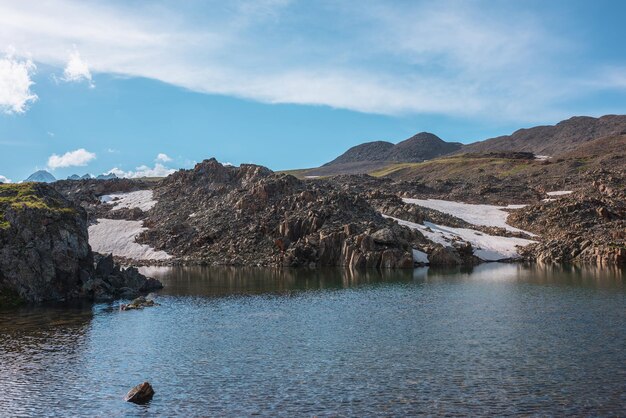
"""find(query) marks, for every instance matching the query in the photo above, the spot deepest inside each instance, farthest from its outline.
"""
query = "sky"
(146, 87)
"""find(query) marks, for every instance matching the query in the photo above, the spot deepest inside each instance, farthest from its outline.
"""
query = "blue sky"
(145, 87)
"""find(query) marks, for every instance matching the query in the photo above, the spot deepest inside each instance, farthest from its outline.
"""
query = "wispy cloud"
(78, 158)
(446, 57)
(3, 179)
(15, 84)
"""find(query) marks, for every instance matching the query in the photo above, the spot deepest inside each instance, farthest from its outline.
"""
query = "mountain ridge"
(419, 147)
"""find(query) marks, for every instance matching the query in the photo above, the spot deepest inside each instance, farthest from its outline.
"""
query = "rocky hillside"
(554, 140)
(588, 226)
(369, 151)
(45, 254)
(374, 155)
(249, 215)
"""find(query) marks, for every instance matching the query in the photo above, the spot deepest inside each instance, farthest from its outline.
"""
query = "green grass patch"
(26, 196)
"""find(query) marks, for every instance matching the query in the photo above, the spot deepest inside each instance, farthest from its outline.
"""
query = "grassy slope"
(607, 153)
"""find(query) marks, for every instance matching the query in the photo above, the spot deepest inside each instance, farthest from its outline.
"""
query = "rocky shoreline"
(250, 216)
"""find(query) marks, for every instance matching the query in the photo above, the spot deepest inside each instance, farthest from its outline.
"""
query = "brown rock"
(444, 256)
(140, 394)
(384, 236)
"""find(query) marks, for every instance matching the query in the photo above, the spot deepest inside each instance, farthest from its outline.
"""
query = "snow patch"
(142, 199)
(542, 157)
(559, 193)
(117, 237)
(484, 215)
(486, 247)
(420, 256)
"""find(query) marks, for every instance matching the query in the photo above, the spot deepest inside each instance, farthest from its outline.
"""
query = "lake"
(495, 340)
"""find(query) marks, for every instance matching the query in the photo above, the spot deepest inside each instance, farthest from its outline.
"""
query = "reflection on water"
(497, 339)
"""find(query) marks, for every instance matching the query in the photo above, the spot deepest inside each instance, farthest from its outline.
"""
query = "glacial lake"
(500, 339)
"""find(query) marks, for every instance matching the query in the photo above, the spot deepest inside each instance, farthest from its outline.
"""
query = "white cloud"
(15, 84)
(159, 170)
(50, 133)
(77, 70)
(163, 158)
(445, 57)
(78, 158)
(5, 180)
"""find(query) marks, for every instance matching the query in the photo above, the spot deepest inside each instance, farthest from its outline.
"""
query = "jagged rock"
(444, 256)
(44, 249)
(384, 236)
(140, 394)
(112, 281)
(250, 215)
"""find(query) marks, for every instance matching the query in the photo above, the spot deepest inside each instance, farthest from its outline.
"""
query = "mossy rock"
(30, 196)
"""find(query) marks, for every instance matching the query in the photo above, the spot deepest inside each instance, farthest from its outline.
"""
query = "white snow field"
(117, 237)
(142, 199)
(484, 215)
(486, 247)
(559, 193)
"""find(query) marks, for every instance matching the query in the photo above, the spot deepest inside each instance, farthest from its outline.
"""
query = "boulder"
(140, 394)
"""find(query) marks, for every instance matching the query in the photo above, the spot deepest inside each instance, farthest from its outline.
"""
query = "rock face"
(45, 254)
(249, 215)
(44, 249)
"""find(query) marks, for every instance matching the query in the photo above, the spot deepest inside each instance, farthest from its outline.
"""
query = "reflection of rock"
(140, 394)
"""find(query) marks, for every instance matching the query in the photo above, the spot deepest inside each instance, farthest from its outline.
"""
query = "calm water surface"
(501, 339)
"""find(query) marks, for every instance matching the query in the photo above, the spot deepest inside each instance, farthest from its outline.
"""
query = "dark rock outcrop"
(45, 253)
(249, 215)
(44, 248)
(110, 281)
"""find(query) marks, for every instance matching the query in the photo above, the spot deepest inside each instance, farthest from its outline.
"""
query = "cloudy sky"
(143, 87)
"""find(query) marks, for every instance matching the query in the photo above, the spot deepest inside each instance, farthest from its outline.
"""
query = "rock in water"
(140, 394)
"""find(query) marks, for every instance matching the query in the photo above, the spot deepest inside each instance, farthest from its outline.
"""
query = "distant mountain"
(86, 176)
(109, 176)
(74, 177)
(41, 176)
(420, 147)
(563, 137)
(369, 151)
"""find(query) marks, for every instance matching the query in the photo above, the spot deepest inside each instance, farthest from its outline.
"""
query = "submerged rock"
(140, 394)
(140, 303)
